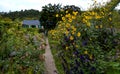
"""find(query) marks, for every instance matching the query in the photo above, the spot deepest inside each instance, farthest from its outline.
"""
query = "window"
(33, 26)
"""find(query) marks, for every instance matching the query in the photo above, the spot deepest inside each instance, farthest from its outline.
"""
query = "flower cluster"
(84, 42)
(64, 26)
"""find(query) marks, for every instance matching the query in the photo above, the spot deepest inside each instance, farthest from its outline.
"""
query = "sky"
(17, 5)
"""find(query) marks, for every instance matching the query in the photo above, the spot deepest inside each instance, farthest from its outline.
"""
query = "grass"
(53, 46)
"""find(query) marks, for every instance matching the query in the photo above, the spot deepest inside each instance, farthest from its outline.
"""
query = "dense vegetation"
(116, 18)
(23, 14)
(82, 42)
(87, 43)
(50, 14)
(20, 49)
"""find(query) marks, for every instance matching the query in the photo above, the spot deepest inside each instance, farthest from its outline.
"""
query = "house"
(31, 23)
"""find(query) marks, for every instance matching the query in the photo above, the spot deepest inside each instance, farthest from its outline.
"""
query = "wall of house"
(32, 26)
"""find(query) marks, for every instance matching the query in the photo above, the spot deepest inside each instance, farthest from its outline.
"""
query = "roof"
(31, 22)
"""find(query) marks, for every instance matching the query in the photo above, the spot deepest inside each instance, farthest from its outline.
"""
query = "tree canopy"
(51, 14)
(21, 14)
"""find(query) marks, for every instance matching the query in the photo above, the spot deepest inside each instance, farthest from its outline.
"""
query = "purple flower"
(93, 69)
(84, 43)
(66, 38)
(76, 53)
(82, 57)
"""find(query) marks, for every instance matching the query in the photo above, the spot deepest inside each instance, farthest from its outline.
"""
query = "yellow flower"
(86, 17)
(74, 29)
(73, 32)
(52, 33)
(96, 27)
(91, 57)
(85, 52)
(63, 18)
(75, 13)
(101, 26)
(70, 20)
(73, 17)
(57, 15)
(78, 34)
(66, 47)
(68, 15)
(76, 46)
(71, 38)
(88, 24)
(93, 13)
(61, 10)
(66, 32)
(66, 12)
(97, 17)
(102, 13)
(67, 25)
(84, 21)
(110, 19)
(59, 25)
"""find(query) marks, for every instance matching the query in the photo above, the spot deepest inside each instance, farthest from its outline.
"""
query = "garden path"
(49, 61)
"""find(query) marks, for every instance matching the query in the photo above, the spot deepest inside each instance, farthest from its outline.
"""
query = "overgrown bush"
(20, 51)
(86, 45)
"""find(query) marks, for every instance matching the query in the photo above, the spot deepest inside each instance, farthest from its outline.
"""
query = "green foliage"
(20, 49)
(51, 14)
(71, 8)
(23, 14)
(116, 18)
(113, 68)
(48, 15)
(95, 49)
(88, 45)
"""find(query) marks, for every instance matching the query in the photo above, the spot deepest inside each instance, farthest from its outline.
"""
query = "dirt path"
(49, 61)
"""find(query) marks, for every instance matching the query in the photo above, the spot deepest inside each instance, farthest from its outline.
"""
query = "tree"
(33, 14)
(48, 17)
(71, 8)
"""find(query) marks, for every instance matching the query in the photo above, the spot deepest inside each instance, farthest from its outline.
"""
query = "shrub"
(86, 45)
(19, 49)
